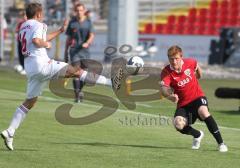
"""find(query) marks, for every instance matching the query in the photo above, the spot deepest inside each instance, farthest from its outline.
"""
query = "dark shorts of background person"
(190, 111)
(77, 56)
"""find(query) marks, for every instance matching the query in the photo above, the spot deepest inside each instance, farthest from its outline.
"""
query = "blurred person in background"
(20, 21)
(80, 36)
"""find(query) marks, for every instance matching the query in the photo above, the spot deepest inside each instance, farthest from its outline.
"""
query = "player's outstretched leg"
(93, 78)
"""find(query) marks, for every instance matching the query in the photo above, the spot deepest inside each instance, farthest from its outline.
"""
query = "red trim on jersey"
(184, 83)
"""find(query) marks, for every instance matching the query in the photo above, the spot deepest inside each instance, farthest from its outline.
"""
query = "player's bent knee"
(29, 103)
(179, 122)
(203, 112)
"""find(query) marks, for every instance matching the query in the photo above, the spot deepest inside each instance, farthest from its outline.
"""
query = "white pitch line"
(121, 110)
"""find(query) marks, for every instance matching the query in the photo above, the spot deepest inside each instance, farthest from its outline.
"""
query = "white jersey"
(35, 58)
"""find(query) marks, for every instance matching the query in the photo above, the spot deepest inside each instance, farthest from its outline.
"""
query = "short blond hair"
(173, 50)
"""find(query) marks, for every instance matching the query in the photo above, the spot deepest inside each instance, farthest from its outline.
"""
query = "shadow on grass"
(230, 112)
(22, 99)
(100, 144)
(19, 150)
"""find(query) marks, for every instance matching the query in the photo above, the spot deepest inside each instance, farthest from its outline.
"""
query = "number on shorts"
(204, 101)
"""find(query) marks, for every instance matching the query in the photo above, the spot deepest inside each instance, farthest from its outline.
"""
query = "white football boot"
(8, 139)
(197, 141)
(222, 147)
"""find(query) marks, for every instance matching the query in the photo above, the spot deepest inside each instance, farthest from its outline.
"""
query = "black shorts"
(190, 111)
(77, 54)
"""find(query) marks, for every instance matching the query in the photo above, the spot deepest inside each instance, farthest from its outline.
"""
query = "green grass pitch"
(125, 139)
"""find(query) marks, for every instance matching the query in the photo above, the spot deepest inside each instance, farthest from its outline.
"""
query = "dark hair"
(173, 50)
(78, 5)
(32, 9)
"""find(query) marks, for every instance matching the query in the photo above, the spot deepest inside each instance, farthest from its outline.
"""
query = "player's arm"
(89, 40)
(165, 88)
(67, 44)
(198, 72)
(168, 94)
(54, 34)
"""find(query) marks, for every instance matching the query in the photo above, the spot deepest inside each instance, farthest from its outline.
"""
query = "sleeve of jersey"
(194, 64)
(38, 33)
(165, 78)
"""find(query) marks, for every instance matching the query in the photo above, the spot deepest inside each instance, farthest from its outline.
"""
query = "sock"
(213, 128)
(104, 81)
(76, 86)
(17, 119)
(83, 76)
(188, 130)
(92, 78)
(81, 84)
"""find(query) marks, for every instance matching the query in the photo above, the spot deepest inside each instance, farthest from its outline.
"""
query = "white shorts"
(36, 82)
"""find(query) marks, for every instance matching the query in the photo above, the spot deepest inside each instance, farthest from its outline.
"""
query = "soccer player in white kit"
(40, 68)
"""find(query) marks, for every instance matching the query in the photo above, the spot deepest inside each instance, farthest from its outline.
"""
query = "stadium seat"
(167, 29)
(171, 19)
(214, 4)
(159, 28)
(199, 30)
(148, 28)
(211, 30)
(203, 12)
(181, 19)
(192, 12)
(224, 4)
(188, 29)
(178, 29)
(232, 22)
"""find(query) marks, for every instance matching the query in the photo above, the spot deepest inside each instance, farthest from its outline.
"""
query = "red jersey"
(184, 83)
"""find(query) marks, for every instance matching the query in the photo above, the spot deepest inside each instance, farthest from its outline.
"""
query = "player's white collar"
(182, 62)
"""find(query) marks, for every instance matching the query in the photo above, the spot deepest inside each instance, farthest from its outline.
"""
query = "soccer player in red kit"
(179, 84)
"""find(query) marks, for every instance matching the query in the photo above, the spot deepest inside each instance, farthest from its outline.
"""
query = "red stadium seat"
(232, 22)
(199, 30)
(214, 4)
(203, 12)
(159, 28)
(148, 28)
(192, 12)
(178, 29)
(212, 19)
(224, 4)
(212, 30)
(233, 13)
(181, 19)
(171, 19)
(167, 29)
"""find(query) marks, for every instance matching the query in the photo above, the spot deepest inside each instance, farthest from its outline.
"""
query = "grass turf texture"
(113, 142)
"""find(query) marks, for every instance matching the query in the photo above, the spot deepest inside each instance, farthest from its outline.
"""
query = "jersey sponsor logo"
(183, 82)
(187, 72)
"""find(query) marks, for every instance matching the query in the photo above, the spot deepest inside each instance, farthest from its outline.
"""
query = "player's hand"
(85, 45)
(64, 26)
(174, 98)
(49, 45)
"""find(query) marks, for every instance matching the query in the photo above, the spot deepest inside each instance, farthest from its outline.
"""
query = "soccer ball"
(134, 65)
